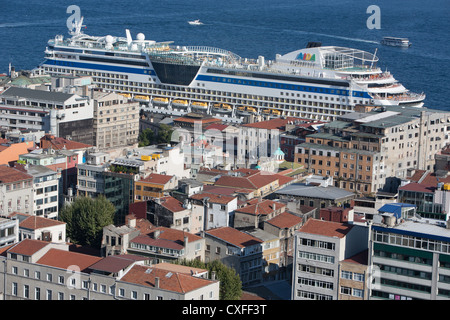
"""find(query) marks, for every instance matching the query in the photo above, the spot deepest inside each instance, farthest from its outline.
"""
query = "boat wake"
(333, 36)
(26, 24)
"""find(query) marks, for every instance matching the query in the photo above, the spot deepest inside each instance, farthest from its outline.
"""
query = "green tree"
(146, 137)
(85, 219)
(230, 283)
(164, 133)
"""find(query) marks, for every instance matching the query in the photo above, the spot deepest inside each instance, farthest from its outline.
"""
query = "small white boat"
(195, 22)
(396, 42)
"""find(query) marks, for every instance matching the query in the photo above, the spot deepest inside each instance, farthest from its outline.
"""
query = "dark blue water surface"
(250, 29)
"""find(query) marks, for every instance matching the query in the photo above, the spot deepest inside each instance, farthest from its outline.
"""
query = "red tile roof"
(359, 258)
(234, 236)
(8, 175)
(116, 263)
(157, 178)
(28, 247)
(64, 259)
(326, 228)
(168, 280)
(251, 179)
(58, 143)
(418, 187)
(34, 222)
(167, 238)
(264, 207)
(171, 204)
(214, 198)
(285, 220)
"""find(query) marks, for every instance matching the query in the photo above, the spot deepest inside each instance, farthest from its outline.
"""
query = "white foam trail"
(25, 24)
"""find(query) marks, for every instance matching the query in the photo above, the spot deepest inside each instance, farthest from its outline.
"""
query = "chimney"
(156, 234)
(157, 282)
(132, 221)
(213, 275)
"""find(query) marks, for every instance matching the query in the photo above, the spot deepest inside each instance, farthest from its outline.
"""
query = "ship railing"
(375, 77)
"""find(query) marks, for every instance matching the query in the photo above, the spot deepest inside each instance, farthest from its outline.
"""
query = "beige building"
(39, 270)
(369, 151)
(116, 120)
(354, 277)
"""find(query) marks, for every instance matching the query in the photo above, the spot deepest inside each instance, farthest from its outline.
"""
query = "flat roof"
(310, 191)
(37, 94)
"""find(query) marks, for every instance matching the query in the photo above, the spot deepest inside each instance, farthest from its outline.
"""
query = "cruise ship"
(317, 82)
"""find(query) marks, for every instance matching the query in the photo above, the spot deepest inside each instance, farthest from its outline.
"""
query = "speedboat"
(195, 22)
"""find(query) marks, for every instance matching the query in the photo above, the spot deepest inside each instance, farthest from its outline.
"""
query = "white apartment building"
(16, 191)
(319, 247)
(218, 210)
(45, 191)
(9, 231)
(62, 114)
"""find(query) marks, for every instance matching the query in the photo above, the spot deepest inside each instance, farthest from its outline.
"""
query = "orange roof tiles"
(285, 220)
(172, 204)
(234, 236)
(58, 143)
(12, 152)
(168, 280)
(9, 175)
(64, 259)
(326, 228)
(263, 207)
(157, 178)
(34, 222)
(28, 247)
(214, 198)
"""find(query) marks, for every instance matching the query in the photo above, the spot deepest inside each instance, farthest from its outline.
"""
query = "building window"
(346, 290)
(26, 291)
(346, 274)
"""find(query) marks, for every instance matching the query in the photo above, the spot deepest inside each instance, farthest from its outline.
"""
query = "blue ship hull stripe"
(282, 86)
(95, 66)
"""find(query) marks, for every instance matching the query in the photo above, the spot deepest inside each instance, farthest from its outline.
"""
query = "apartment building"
(271, 253)
(39, 270)
(116, 120)
(61, 114)
(238, 250)
(39, 228)
(9, 231)
(410, 259)
(163, 244)
(16, 191)
(284, 226)
(169, 212)
(153, 186)
(218, 210)
(45, 191)
(320, 246)
(255, 212)
(371, 151)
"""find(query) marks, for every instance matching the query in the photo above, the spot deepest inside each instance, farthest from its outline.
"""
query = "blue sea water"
(250, 29)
